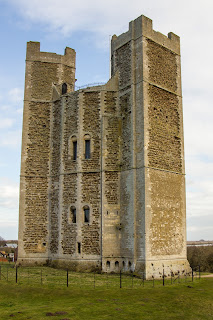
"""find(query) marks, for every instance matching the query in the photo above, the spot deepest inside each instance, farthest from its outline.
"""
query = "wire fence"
(46, 276)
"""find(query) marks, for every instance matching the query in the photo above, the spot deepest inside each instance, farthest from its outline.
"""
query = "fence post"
(192, 275)
(171, 277)
(153, 281)
(120, 280)
(16, 274)
(163, 278)
(67, 278)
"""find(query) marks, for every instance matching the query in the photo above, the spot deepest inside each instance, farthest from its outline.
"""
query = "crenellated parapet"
(45, 70)
(142, 26)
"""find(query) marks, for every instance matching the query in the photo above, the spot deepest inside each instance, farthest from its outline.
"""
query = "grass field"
(36, 297)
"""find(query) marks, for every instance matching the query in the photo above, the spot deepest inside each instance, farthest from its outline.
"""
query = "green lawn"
(32, 298)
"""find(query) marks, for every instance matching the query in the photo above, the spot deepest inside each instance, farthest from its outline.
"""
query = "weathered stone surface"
(120, 205)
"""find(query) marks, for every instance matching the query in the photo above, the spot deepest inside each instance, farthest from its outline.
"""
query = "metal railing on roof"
(89, 85)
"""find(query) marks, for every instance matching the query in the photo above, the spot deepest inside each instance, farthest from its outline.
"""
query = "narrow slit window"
(64, 88)
(79, 247)
(86, 214)
(73, 214)
(74, 150)
(87, 149)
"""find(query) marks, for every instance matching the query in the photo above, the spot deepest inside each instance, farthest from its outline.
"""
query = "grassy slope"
(181, 301)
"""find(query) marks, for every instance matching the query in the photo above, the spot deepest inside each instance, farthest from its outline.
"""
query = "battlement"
(34, 54)
(142, 26)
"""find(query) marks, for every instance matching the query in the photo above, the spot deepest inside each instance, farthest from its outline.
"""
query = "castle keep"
(102, 171)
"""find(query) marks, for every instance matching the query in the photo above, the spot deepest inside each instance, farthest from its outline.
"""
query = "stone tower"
(102, 177)
(45, 73)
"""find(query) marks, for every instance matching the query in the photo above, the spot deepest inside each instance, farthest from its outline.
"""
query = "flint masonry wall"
(164, 155)
(43, 71)
(133, 182)
(152, 144)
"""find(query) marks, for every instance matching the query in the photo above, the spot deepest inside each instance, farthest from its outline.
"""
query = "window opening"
(116, 264)
(64, 88)
(74, 150)
(87, 149)
(86, 214)
(79, 247)
(73, 214)
(108, 264)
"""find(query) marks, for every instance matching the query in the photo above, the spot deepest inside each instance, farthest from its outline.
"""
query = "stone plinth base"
(156, 268)
(74, 265)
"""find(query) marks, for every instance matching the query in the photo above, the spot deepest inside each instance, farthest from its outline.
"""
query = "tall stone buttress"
(102, 176)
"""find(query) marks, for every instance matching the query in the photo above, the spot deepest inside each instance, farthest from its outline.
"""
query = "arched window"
(73, 214)
(87, 144)
(64, 88)
(108, 264)
(86, 214)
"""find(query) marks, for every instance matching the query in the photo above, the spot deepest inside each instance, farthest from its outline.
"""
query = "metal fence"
(46, 276)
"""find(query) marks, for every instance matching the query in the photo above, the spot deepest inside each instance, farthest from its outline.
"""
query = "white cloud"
(198, 228)
(11, 139)
(112, 16)
(6, 123)
(15, 95)
(9, 194)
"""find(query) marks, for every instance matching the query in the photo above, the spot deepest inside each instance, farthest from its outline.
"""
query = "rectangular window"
(74, 150)
(87, 149)
(79, 247)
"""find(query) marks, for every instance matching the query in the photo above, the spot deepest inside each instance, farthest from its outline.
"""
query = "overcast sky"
(86, 26)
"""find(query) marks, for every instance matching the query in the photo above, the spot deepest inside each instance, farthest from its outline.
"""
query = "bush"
(201, 256)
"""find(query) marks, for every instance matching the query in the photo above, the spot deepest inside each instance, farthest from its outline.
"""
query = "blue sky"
(86, 26)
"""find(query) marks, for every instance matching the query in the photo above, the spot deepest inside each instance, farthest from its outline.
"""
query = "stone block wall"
(37, 226)
(164, 156)
(152, 172)
(132, 182)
